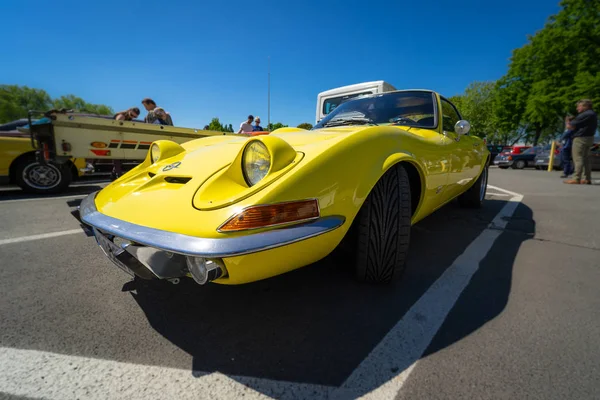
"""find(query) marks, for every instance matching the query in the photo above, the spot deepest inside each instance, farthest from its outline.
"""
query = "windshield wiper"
(402, 121)
(350, 121)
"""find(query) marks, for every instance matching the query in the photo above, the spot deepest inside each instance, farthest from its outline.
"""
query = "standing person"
(162, 117)
(257, 127)
(584, 127)
(127, 115)
(246, 126)
(565, 154)
(150, 106)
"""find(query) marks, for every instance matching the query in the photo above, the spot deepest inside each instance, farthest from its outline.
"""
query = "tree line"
(16, 101)
(216, 125)
(559, 65)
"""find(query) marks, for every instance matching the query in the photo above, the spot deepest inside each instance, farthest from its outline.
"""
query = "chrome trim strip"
(204, 247)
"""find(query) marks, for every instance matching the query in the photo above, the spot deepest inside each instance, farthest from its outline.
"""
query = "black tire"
(519, 164)
(475, 195)
(34, 177)
(383, 229)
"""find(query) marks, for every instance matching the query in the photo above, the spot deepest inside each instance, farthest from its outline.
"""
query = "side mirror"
(462, 127)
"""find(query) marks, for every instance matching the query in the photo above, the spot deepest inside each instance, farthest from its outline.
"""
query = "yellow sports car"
(237, 209)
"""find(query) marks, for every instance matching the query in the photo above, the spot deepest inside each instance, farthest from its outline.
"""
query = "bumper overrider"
(157, 254)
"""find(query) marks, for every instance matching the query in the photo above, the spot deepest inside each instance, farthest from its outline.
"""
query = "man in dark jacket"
(565, 154)
(584, 127)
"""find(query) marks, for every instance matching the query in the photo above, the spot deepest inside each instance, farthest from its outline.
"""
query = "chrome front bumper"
(164, 253)
(504, 163)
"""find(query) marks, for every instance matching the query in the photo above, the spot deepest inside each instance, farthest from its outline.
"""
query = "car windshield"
(410, 108)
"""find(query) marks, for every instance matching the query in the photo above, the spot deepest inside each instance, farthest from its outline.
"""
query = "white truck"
(328, 100)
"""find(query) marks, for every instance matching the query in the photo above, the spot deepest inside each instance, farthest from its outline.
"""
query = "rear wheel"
(383, 229)
(34, 177)
(519, 164)
(473, 198)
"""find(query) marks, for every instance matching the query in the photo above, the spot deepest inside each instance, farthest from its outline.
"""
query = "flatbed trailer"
(59, 136)
(63, 145)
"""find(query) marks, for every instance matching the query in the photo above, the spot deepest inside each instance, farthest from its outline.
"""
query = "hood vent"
(177, 179)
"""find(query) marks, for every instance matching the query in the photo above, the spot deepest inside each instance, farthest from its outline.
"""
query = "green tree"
(72, 102)
(277, 125)
(305, 125)
(16, 101)
(476, 105)
(215, 125)
(558, 66)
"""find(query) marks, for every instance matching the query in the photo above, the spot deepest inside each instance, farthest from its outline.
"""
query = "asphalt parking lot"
(502, 302)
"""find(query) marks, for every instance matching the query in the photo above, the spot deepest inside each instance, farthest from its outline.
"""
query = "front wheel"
(34, 177)
(383, 229)
(474, 196)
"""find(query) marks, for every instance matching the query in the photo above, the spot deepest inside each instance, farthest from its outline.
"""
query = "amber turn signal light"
(271, 215)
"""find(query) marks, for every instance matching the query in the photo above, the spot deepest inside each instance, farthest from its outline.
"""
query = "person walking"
(584, 127)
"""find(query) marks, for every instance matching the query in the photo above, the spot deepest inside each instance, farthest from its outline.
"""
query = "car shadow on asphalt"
(316, 324)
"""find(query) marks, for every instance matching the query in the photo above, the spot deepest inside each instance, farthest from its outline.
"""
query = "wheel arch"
(415, 173)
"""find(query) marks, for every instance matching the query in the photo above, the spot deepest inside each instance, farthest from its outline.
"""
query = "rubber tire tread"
(470, 198)
(384, 223)
(66, 177)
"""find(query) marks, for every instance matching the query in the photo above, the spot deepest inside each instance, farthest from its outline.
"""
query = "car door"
(466, 157)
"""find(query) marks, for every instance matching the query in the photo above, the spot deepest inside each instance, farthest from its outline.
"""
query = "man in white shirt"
(246, 126)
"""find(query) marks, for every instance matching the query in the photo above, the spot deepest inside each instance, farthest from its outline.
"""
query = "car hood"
(147, 194)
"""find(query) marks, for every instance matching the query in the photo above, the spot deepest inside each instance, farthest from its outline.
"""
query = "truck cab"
(328, 100)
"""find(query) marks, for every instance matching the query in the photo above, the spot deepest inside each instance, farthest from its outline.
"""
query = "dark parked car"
(542, 158)
(496, 149)
(520, 161)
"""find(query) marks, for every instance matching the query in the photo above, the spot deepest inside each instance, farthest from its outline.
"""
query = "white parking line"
(505, 191)
(41, 236)
(403, 346)
(381, 374)
(35, 373)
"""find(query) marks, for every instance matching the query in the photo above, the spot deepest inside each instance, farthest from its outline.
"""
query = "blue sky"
(209, 59)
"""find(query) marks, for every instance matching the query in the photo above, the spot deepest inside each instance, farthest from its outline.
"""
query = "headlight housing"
(256, 162)
(154, 153)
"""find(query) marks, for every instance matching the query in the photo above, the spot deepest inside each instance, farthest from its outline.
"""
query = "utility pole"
(269, 96)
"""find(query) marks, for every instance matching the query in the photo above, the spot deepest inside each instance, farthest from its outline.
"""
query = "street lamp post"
(269, 96)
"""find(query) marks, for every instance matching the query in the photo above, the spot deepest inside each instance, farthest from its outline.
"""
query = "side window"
(449, 116)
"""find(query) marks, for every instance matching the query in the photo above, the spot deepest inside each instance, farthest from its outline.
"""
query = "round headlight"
(256, 162)
(154, 153)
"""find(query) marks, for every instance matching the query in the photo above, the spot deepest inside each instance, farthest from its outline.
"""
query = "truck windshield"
(330, 104)
(410, 108)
